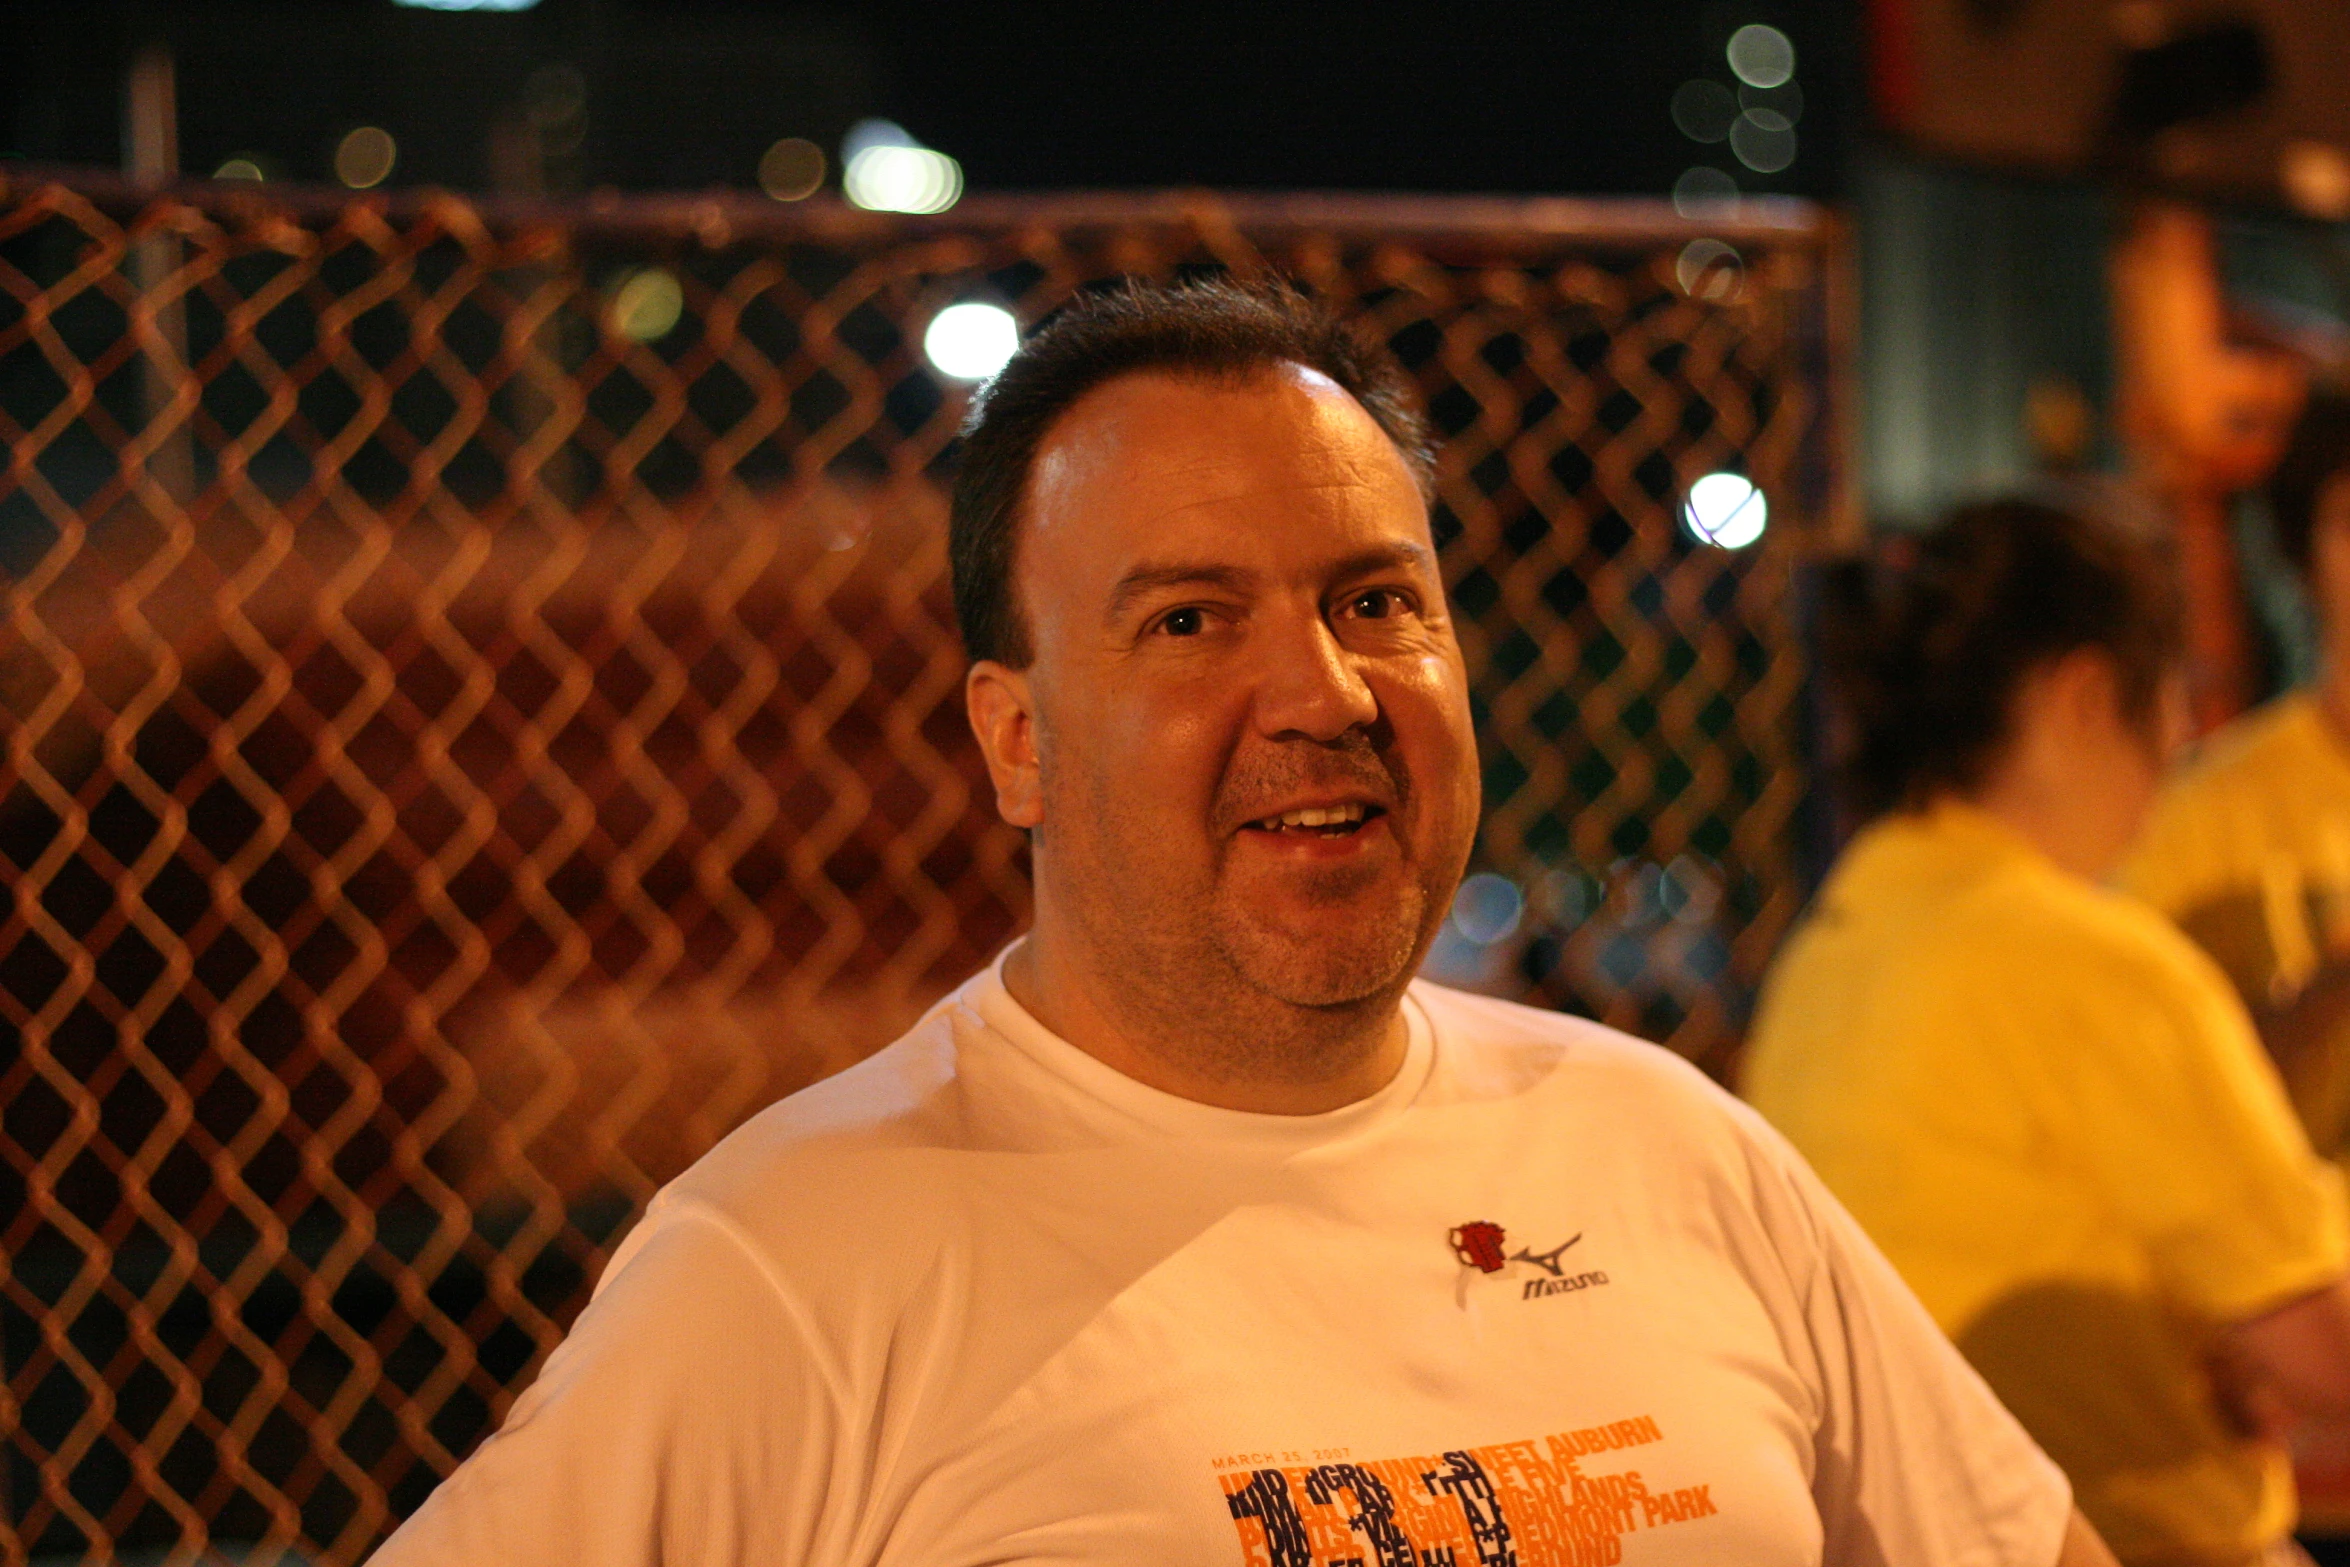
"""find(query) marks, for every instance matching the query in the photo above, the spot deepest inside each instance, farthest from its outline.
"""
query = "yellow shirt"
(2249, 851)
(2050, 1111)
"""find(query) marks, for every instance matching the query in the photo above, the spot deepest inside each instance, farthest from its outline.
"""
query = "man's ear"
(1003, 716)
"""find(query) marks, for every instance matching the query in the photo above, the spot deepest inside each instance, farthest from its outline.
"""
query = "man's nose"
(1309, 684)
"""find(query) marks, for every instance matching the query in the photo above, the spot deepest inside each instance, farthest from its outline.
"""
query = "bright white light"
(1725, 510)
(971, 342)
(902, 179)
(873, 132)
(467, 5)
(241, 169)
(1761, 56)
(884, 169)
(1487, 908)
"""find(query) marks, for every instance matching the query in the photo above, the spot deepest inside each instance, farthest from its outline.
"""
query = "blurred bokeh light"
(1704, 111)
(1726, 511)
(1709, 269)
(1762, 55)
(647, 303)
(364, 158)
(792, 169)
(1704, 192)
(884, 169)
(971, 341)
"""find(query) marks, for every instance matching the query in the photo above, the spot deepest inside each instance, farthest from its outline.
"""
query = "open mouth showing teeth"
(1331, 821)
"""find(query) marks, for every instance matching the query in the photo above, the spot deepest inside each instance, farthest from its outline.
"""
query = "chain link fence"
(482, 718)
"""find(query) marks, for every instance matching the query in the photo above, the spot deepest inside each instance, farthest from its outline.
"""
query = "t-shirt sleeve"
(2185, 1128)
(1915, 1459)
(685, 1420)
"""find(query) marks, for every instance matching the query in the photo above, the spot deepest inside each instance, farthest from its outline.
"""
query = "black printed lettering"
(1374, 1514)
(1266, 1498)
(1467, 1482)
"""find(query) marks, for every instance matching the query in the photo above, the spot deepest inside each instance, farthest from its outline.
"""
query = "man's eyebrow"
(1142, 581)
(1386, 557)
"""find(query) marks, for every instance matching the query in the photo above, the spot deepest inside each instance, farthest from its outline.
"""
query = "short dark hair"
(1924, 654)
(1217, 331)
(2318, 450)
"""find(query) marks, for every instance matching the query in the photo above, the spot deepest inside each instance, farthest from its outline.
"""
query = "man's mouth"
(1326, 821)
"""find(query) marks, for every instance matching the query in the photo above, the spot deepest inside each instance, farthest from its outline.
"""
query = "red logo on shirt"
(1479, 1245)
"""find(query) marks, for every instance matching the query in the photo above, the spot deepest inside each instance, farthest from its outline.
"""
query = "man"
(1194, 1231)
(2249, 850)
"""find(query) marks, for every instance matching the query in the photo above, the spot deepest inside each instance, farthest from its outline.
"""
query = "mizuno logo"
(1547, 1261)
(1479, 1246)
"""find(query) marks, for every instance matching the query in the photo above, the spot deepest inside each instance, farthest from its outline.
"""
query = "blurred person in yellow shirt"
(2040, 1099)
(2249, 848)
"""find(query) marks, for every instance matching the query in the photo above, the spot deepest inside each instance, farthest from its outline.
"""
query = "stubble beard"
(1213, 978)
(1369, 961)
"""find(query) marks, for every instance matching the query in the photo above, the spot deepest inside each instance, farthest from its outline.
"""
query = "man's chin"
(1324, 962)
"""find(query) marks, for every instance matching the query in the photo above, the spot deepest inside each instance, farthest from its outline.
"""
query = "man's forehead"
(1181, 433)
(1152, 454)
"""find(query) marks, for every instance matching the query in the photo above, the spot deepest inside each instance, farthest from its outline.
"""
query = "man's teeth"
(1316, 816)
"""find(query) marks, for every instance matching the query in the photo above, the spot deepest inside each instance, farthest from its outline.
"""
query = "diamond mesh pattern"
(462, 758)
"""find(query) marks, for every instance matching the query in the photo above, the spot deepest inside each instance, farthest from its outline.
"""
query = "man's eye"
(1183, 623)
(1379, 603)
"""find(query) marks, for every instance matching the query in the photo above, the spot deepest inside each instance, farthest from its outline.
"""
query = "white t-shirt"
(1547, 1298)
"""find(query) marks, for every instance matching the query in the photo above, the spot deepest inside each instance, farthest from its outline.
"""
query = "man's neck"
(2071, 832)
(1224, 1045)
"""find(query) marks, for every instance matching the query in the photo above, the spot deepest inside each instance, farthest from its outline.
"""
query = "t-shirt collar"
(1150, 1110)
(1960, 822)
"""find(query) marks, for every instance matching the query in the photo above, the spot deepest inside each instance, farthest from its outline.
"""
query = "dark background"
(1563, 96)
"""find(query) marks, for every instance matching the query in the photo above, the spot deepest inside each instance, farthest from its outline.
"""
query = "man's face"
(1252, 758)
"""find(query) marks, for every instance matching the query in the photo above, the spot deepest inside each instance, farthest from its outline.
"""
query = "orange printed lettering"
(1529, 1501)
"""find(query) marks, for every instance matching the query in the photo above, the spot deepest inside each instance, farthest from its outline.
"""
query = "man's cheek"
(1437, 676)
(1430, 708)
(1169, 739)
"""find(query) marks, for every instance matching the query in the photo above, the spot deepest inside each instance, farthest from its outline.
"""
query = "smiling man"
(1194, 1230)
(1225, 698)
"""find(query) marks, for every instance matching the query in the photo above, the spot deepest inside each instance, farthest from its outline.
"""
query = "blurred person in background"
(1194, 1229)
(2042, 1101)
(2249, 848)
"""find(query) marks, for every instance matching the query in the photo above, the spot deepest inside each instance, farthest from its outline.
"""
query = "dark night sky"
(1569, 96)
